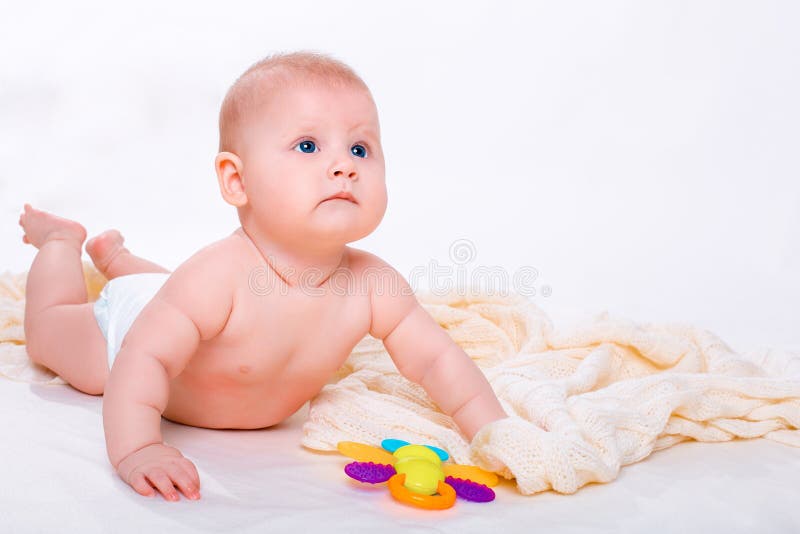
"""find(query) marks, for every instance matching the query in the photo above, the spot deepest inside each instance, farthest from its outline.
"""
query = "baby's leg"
(61, 332)
(112, 259)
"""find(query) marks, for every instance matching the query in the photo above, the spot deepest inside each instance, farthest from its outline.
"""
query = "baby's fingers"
(191, 469)
(141, 485)
(183, 480)
(158, 477)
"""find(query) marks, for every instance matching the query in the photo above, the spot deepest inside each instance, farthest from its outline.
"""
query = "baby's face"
(305, 145)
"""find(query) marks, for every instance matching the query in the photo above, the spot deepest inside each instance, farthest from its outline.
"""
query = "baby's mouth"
(342, 195)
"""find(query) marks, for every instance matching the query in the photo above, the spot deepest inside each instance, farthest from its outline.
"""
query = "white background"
(643, 157)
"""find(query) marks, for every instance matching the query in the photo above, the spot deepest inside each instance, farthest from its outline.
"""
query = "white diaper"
(119, 304)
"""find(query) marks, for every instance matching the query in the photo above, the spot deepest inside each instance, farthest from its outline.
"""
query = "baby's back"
(279, 345)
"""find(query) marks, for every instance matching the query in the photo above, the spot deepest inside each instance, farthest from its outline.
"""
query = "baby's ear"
(229, 175)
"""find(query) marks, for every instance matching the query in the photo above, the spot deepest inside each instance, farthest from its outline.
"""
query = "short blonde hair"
(278, 71)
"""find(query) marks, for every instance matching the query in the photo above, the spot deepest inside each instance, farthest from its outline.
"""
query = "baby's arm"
(424, 353)
(192, 305)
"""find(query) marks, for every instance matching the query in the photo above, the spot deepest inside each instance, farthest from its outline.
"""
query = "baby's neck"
(296, 266)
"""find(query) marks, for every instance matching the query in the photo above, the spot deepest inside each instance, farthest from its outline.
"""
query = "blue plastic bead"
(392, 445)
(442, 454)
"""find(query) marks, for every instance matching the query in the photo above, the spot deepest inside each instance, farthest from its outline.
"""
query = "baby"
(250, 327)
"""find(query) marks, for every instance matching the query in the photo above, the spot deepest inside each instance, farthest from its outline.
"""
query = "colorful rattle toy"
(416, 473)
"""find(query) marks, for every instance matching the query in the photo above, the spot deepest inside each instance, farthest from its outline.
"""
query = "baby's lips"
(345, 195)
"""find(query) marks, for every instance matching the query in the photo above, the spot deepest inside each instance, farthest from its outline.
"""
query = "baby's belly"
(241, 394)
(245, 407)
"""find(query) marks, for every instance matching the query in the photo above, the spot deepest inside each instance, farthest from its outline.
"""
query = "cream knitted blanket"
(583, 401)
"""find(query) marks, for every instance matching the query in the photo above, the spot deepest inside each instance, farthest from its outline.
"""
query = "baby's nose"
(346, 168)
(350, 174)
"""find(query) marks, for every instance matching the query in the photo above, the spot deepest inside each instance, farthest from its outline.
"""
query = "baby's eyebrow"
(299, 130)
(370, 133)
(367, 130)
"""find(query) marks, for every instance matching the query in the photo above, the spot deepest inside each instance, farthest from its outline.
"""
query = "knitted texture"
(582, 401)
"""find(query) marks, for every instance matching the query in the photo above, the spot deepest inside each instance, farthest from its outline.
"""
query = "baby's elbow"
(411, 370)
(137, 377)
(439, 370)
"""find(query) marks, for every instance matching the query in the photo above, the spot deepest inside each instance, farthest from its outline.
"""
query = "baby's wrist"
(478, 413)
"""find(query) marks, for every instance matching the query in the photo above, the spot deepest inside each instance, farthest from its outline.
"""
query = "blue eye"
(307, 147)
(358, 150)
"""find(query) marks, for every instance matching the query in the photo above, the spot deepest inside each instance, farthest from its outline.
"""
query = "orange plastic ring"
(445, 499)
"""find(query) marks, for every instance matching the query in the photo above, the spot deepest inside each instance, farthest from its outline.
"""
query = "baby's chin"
(341, 229)
(341, 235)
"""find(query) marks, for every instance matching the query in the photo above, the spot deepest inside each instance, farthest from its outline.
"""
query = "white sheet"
(56, 478)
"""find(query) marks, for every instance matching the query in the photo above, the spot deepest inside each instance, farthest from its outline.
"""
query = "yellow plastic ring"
(445, 499)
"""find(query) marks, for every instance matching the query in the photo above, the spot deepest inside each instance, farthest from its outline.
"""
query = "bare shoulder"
(391, 297)
(373, 272)
(213, 261)
(359, 260)
(203, 286)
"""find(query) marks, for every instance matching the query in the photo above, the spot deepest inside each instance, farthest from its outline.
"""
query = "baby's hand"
(162, 467)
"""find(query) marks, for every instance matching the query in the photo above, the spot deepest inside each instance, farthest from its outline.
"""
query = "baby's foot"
(104, 247)
(41, 227)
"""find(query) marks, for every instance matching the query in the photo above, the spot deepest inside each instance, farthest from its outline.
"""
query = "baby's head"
(296, 129)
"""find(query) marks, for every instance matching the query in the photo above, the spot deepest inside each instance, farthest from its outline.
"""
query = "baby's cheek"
(381, 200)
